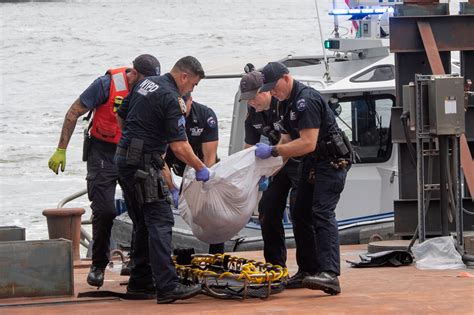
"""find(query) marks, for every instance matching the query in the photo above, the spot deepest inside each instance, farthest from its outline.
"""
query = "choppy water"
(51, 51)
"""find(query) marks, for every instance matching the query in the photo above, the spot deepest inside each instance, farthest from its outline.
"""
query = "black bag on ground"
(393, 258)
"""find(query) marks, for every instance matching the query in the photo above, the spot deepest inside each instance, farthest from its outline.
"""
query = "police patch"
(196, 131)
(211, 122)
(301, 104)
(181, 121)
(292, 115)
(182, 105)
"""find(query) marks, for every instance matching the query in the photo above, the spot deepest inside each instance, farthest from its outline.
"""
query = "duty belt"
(146, 158)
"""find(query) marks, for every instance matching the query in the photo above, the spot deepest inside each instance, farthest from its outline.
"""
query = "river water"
(51, 51)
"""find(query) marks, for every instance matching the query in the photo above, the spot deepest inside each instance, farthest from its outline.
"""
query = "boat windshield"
(374, 74)
(366, 121)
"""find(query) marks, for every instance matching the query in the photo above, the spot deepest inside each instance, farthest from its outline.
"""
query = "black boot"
(181, 292)
(325, 281)
(141, 291)
(95, 277)
(295, 282)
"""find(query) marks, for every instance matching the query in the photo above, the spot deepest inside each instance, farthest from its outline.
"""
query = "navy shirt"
(265, 123)
(201, 127)
(97, 93)
(306, 109)
(152, 113)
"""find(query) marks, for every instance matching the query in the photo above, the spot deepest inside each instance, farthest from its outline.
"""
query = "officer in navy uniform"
(153, 118)
(264, 117)
(100, 145)
(203, 136)
(313, 134)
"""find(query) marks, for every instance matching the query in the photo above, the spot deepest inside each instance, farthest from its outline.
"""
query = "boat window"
(378, 73)
(366, 121)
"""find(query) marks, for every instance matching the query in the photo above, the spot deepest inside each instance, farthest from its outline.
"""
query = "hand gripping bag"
(219, 208)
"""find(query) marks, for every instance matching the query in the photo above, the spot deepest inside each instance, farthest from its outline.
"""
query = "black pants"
(153, 224)
(102, 177)
(271, 209)
(316, 203)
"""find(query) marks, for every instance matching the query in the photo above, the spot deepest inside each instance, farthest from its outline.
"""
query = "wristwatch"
(274, 151)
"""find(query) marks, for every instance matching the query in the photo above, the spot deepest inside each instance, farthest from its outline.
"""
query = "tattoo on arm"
(75, 111)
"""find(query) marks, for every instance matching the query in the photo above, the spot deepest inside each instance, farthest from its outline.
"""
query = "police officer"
(264, 117)
(203, 136)
(101, 141)
(313, 134)
(153, 118)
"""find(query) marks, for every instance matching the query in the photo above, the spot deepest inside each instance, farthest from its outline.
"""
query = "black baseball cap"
(272, 72)
(147, 65)
(249, 85)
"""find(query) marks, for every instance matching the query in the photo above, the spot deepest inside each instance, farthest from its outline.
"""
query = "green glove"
(58, 158)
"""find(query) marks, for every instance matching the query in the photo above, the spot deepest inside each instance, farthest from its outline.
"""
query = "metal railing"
(86, 238)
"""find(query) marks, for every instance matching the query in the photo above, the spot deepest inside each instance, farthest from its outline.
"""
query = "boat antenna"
(336, 21)
(327, 76)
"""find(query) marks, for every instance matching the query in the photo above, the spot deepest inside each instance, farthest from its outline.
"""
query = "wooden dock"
(386, 290)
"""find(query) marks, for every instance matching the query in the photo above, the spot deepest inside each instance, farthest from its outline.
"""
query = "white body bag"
(219, 208)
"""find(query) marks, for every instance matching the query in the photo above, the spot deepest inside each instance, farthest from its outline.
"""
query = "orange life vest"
(104, 123)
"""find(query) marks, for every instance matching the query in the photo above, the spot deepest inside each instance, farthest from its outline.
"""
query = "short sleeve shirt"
(154, 114)
(201, 127)
(306, 109)
(97, 93)
(261, 123)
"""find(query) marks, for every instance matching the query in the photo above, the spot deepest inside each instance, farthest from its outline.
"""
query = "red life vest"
(104, 123)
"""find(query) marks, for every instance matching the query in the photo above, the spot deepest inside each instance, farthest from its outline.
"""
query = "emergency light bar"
(364, 11)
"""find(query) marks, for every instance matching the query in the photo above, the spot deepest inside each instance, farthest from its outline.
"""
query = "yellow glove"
(58, 158)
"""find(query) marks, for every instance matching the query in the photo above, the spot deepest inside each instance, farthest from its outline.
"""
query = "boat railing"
(86, 238)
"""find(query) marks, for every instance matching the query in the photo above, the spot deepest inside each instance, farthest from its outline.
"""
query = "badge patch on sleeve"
(182, 105)
(301, 104)
(181, 121)
(211, 122)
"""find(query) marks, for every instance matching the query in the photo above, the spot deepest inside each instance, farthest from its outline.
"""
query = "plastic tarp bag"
(219, 208)
(437, 253)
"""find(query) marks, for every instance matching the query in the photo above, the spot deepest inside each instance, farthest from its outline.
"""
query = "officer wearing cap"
(264, 117)
(313, 134)
(99, 149)
(203, 136)
(153, 115)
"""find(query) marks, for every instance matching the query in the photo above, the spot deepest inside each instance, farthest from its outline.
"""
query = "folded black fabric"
(393, 258)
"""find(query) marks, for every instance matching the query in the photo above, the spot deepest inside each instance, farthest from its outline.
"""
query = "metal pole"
(336, 21)
(326, 64)
(443, 183)
(456, 159)
(419, 157)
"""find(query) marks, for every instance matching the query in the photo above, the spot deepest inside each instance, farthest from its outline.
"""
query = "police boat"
(356, 76)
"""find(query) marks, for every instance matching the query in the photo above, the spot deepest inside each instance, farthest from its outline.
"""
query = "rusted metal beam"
(431, 49)
(467, 165)
(451, 33)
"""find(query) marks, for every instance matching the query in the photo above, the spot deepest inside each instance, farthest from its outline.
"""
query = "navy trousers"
(316, 202)
(153, 222)
(102, 177)
(271, 208)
